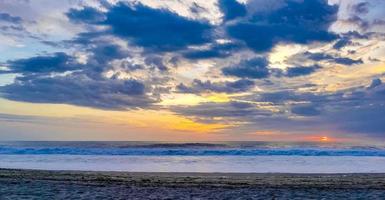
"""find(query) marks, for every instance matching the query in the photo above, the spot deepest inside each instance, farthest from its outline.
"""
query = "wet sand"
(35, 184)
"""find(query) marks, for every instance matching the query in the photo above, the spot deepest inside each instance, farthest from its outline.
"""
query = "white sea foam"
(240, 164)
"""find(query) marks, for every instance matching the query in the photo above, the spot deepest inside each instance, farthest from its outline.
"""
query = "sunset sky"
(192, 70)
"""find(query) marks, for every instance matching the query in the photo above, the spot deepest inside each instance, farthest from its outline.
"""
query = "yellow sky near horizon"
(137, 118)
(67, 122)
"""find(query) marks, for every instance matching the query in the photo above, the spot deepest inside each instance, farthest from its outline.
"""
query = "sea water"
(237, 157)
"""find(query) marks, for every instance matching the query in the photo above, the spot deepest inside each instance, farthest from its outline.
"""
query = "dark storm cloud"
(83, 84)
(84, 38)
(57, 62)
(357, 35)
(78, 89)
(342, 43)
(280, 97)
(301, 70)
(86, 15)
(327, 57)
(207, 111)
(295, 22)
(105, 52)
(347, 61)
(198, 86)
(232, 9)
(13, 26)
(214, 51)
(156, 29)
(9, 18)
(305, 110)
(346, 39)
(156, 62)
(101, 53)
(253, 68)
(258, 68)
(300, 22)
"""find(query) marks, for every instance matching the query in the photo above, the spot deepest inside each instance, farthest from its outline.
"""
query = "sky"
(192, 70)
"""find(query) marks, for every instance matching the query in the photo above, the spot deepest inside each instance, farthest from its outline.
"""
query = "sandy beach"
(35, 184)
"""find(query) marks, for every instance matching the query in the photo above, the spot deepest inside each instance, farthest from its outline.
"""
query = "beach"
(40, 184)
(151, 170)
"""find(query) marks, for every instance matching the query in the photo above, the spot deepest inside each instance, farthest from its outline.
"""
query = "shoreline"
(163, 185)
(204, 164)
(336, 180)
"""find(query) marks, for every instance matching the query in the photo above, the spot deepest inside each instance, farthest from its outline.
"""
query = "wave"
(188, 151)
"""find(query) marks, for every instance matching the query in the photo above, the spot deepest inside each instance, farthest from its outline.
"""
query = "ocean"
(236, 157)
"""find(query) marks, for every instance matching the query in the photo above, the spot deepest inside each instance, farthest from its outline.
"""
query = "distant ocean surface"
(194, 157)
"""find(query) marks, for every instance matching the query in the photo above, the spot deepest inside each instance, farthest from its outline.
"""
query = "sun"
(324, 139)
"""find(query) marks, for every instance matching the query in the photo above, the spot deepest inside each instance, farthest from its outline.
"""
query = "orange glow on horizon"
(324, 139)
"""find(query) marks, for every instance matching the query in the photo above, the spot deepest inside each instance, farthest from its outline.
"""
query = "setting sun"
(324, 139)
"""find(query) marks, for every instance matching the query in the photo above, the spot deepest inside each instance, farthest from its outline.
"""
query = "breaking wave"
(183, 149)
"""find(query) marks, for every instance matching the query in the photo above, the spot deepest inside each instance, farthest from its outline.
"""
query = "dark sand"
(33, 184)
